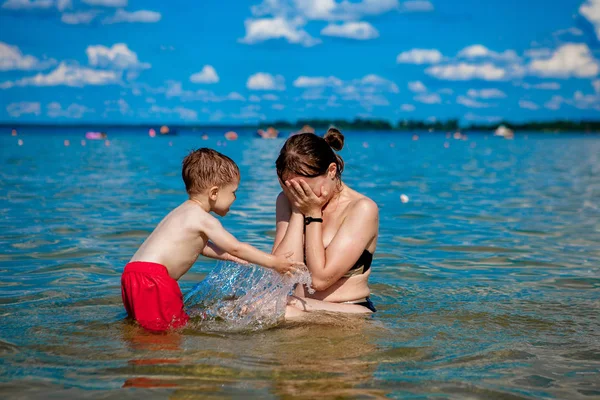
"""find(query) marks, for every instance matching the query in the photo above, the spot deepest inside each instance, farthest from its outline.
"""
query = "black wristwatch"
(308, 220)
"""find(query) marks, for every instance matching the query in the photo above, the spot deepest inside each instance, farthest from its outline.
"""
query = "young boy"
(149, 286)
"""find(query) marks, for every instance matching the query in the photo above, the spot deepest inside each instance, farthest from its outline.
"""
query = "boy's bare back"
(178, 239)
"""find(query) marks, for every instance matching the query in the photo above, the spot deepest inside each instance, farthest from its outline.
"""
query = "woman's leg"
(307, 305)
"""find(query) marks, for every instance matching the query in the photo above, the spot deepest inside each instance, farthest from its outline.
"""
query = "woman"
(333, 226)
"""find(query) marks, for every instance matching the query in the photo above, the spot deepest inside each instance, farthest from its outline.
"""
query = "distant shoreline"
(321, 124)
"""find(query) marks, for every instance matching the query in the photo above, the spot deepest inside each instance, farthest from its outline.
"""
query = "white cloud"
(79, 17)
(27, 4)
(428, 98)
(55, 110)
(529, 105)
(569, 31)
(106, 3)
(479, 51)
(207, 75)
(182, 112)
(481, 118)
(543, 85)
(417, 5)
(538, 53)
(569, 60)
(11, 58)
(254, 99)
(554, 103)
(464, 71)
(277, 106)
(419, 56)
(144, 16)
(259, 30)
(249, 113)
(270, 97)
(579, 100)
(585, 101)
(60, 5)
(417, 87)
(471, 103)
(235, 96)
(122, 106)
(117, 57)
(15, 110)
(317, 81)
(374, 82)
(175, 89)
(407, 107)
(69, 75)
(486, 93)
(366, 91)
(591, 10)
(265, 81)
(351, 30)
(324, 10)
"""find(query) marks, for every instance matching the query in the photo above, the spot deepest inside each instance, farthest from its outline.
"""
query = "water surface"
(487, 279)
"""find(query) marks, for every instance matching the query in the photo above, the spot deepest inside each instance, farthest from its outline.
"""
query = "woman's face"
(319, 184)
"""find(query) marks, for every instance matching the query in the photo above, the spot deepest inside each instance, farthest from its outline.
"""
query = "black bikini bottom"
(367, 303)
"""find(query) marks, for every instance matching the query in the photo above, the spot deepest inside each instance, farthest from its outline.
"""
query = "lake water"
(487, 280)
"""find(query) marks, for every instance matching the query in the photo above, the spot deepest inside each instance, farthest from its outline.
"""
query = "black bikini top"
(363, 264)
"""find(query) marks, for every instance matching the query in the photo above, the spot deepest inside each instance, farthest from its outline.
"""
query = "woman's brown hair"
(309, 155)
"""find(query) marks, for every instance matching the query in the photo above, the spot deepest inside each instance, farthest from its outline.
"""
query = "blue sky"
(220, 62)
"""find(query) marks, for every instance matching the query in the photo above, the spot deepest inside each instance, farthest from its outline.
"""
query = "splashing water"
(236, 297)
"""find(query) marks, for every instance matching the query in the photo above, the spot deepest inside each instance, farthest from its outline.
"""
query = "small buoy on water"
(82, 142)
(365, 145)
(415, 137)
(67, 143)
(205, 137)
(404, 198)
(170, 143)
(13, 132)
(20, 142)
(392, 145)
(107, 143)
(151, 132)
(446, 145)
(231, 135)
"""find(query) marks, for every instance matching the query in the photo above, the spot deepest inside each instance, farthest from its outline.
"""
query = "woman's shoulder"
(363, 204)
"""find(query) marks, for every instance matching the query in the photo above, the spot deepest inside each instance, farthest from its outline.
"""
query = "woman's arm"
(289, 230)
(327, 266)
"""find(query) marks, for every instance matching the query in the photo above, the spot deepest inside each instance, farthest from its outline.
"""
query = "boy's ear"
(213, 193)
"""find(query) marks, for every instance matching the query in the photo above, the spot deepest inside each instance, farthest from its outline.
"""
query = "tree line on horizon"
(448, 125)
(365, 125)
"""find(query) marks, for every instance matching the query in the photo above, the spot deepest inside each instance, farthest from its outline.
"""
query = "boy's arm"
(213, 251)
(226, 241)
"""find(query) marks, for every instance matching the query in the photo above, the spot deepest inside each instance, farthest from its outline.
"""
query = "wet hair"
(309, 155)
(204, 168)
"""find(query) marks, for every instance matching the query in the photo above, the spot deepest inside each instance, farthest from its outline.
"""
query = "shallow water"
(487, 279)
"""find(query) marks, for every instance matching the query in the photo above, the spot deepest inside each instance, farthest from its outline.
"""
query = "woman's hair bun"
(334, 138)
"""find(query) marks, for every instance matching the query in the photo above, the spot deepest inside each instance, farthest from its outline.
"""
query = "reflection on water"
(487, 279)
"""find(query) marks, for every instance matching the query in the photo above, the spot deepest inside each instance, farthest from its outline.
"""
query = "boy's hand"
(284, 264)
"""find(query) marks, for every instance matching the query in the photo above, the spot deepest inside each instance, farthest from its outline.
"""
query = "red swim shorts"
(152, 297)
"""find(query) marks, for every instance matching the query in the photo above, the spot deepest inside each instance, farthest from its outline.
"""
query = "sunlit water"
(487, 280)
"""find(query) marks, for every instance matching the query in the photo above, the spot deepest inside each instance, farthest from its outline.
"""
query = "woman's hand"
(303, 199)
